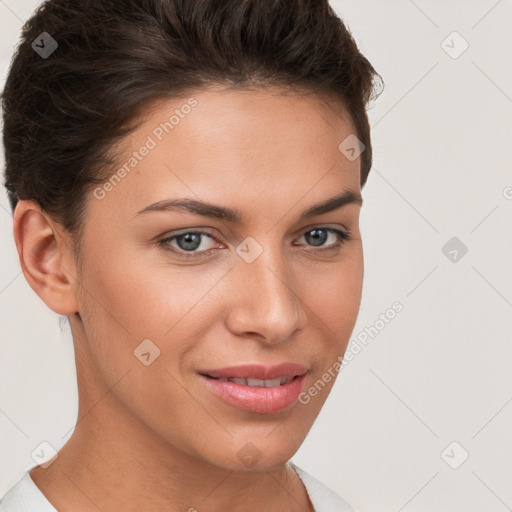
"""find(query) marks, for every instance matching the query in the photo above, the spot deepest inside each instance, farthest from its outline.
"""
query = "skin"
(154, 437)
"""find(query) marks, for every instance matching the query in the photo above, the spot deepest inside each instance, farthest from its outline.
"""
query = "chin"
(255, 455)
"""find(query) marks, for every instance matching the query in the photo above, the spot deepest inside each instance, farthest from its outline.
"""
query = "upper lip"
(257, 371)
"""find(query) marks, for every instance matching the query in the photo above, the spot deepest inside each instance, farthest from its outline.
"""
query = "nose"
(266, 300)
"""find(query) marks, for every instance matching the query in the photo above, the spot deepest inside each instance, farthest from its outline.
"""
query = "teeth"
(267, 383)
(271, 383)
(255, 382)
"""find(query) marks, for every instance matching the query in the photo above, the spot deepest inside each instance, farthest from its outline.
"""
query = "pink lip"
(257, 399)
(257, 371)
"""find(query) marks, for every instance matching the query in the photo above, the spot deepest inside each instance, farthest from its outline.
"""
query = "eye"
(319, 235)
(189, 243)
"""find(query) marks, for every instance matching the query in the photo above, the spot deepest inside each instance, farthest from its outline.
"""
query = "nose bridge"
(268, 304)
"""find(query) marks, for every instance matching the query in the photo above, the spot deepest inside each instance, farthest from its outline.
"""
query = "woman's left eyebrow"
(210, 210)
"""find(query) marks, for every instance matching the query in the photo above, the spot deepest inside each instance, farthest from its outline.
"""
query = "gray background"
(439, 372)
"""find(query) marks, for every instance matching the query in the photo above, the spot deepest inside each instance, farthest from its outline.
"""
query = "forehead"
(249, 146)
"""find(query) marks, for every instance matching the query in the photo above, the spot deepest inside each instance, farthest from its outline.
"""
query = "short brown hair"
(63, 114)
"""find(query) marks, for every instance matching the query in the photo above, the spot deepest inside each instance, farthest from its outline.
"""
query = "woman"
(185, 178)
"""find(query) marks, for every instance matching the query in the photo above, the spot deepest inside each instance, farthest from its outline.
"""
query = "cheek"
(128, 300)
(145, 295)
(130, 309)
(335, 296)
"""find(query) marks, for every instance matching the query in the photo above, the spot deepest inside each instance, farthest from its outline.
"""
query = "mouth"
(256, 388)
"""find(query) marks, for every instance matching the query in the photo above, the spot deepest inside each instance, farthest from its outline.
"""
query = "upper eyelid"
(209, 230)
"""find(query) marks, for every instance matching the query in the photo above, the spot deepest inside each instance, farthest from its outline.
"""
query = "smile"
(261, 396)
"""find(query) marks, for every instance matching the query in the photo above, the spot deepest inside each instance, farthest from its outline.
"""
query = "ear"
(46, 257)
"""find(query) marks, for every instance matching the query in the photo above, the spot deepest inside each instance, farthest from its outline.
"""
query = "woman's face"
(168, 295)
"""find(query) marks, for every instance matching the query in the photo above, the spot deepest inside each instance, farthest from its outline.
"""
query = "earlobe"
(45, 257)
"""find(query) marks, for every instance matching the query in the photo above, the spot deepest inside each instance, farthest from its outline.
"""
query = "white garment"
(25, 496)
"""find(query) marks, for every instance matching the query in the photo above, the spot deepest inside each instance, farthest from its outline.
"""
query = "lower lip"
(254, 398)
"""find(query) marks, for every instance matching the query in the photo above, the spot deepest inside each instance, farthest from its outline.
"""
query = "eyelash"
(343, 237)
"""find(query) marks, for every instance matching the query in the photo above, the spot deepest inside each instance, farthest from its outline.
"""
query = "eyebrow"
(205, 209)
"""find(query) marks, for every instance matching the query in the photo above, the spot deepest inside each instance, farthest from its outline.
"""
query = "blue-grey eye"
(316, 236)
(189, 241)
